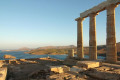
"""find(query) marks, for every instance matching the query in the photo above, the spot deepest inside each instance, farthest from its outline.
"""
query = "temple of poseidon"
(111, 54)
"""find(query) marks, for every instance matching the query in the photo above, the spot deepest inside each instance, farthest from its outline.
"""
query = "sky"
(37, 23)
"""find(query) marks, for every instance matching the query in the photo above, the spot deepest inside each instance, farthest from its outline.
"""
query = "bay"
(22, 55)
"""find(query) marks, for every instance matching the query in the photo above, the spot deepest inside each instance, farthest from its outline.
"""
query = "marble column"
(80, 49)
(92, 37)
(111, 54)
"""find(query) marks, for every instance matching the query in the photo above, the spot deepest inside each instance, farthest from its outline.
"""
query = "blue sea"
(22, 55)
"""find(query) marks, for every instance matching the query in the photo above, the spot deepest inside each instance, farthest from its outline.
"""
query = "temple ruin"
(111, 53)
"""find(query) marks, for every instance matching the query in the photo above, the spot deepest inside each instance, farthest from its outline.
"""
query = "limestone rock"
(9, 57)
(3, 73)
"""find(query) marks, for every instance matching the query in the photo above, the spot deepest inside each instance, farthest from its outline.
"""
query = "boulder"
(9, 57)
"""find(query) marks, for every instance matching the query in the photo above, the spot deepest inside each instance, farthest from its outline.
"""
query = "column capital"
(79, 19)
(93, 14)
(111, 9)
(113, 6)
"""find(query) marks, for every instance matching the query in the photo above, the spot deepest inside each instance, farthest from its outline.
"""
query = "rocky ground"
(52, 69)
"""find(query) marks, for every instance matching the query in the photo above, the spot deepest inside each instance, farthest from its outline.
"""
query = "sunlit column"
(92, 37)
(111, 54)
(80, 49)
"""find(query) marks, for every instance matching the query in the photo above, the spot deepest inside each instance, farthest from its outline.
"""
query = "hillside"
(20, 49)
(57, 47)
(101, 50)
(52, 50)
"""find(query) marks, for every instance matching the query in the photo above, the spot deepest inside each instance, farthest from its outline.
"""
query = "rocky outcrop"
(3, 73)
(9, 57)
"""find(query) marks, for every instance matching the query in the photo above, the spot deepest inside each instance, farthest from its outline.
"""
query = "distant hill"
(24, 49)
(57, 47)
(101, 50)
(20, 49)
(52, 50)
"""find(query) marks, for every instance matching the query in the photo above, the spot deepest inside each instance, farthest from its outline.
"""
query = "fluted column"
(111, 54)
(92, 37)
(80, 49)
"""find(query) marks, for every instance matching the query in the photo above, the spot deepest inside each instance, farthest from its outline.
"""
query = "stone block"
(88, 64)
(59, 69)
(66, 68)
(70, 62)
(103, 75)
(56, 69)
(76, 69)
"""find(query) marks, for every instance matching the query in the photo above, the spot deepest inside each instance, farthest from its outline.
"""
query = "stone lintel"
(93, 14)
(102, 6)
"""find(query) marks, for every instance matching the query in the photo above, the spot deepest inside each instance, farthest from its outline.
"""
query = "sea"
(22, 55)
